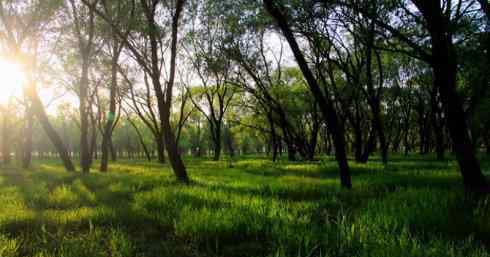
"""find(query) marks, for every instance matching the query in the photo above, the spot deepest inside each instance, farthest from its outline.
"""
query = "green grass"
(412, 207)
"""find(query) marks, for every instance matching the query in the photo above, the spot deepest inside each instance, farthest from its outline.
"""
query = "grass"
(413, 207)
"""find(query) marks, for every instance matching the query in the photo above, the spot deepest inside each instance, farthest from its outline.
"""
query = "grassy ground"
(413, 207)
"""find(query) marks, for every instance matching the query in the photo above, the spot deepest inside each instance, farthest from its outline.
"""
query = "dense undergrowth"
(412, 207)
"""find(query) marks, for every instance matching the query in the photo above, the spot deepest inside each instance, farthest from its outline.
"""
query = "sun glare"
(12, 79)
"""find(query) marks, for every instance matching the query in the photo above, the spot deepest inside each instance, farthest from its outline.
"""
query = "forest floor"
(413, 207)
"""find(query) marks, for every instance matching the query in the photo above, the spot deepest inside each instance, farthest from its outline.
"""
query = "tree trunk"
(165, 100)
(173, 152)
(445, 70)
(217, 151)
(6, 138)
(27, 148)
(142, 142)
(358, 138)
(369, 147)
(313, 140)
(378, 123)
(291, 152)
(422, 126)
(107, 135)
(83, 108)
(373, 99)
(216, 141)
(93, 142)
(437, 124)
(326, 106)
(113, 151)
(41, 115)
(160, 144)
(273, 138)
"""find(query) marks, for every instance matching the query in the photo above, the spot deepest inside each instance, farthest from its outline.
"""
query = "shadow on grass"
(152, 207)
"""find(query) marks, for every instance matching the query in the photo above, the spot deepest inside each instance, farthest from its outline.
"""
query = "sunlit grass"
(413, 207)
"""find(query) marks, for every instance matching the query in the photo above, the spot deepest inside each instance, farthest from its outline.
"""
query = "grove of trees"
(163, 80)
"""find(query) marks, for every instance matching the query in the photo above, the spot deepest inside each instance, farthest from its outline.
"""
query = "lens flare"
(12, 80)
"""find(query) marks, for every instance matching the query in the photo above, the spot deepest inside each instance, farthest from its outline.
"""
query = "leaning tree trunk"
(41, 115)
(165, 100)
(173, 151)
(326, 106)
(141, 140)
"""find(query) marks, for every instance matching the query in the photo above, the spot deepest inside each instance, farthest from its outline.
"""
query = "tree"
(444, 66)
(84, 29)
(152, 66)
(206, 54)
(326, 106)
(440, 21)
(116, 47)
(23, 41)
